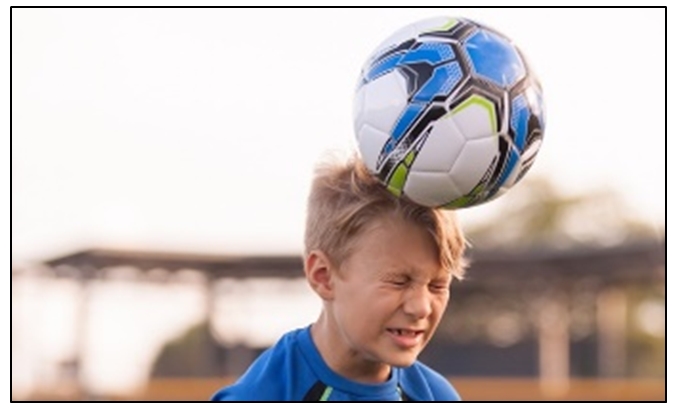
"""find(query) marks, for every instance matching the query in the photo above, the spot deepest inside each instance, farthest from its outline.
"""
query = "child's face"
(390, 294)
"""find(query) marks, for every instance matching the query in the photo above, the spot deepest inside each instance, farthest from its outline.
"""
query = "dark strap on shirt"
(404, 396)
(315, 393)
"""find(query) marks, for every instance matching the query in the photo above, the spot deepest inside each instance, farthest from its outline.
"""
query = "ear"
(319, 273)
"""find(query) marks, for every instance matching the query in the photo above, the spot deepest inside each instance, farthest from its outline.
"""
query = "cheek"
(376, 310)
(357, 305)
(439, 306)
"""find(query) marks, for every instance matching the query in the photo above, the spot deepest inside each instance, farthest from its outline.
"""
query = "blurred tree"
(195, 353)
(536, 214)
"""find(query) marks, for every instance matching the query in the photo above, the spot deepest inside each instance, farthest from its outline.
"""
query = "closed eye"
(438, 287)
(400, 281)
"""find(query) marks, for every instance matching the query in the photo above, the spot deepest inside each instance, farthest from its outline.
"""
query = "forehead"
(392, 244)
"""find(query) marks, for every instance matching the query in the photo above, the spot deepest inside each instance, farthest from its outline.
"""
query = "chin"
(402, 360)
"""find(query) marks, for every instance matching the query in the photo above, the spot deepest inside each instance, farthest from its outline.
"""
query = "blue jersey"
(293, 370)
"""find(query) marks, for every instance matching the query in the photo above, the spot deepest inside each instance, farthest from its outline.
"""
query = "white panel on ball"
(476, 120)
(358, 109)
(474, 160)
(441, 149)
(430, 188)
(432, 24)
(371, 141)
(385, 100)
(411, 31)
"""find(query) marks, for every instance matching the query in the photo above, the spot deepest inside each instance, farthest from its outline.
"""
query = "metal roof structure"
(630, 262)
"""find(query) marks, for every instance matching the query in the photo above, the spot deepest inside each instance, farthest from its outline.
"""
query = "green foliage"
(537, 214)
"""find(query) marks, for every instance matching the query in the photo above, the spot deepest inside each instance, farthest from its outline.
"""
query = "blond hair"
(345, 198)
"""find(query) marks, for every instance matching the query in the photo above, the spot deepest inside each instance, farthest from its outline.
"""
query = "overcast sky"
(197, 130)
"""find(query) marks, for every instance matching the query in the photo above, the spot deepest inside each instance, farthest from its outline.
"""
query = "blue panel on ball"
(443, 80)
(383, 66)
(494, 58)
(431, 53)
(407, 118)
(519, 121)
(509, 167)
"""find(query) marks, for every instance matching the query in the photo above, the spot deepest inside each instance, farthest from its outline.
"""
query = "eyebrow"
(445, 276)
(397, 274)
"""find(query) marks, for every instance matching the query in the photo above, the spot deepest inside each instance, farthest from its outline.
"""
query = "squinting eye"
(400, 282)
(439, 287)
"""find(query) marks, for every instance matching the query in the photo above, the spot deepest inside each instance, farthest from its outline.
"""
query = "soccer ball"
(448, 113)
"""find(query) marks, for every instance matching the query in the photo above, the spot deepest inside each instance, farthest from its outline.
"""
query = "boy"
(382, 267)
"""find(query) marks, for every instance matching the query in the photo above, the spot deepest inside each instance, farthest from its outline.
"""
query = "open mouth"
(405, 332)
(406, 338)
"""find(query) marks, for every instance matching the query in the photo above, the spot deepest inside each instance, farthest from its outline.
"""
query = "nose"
(418, 302)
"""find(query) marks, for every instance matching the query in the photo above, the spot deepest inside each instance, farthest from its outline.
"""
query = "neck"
(342, 358)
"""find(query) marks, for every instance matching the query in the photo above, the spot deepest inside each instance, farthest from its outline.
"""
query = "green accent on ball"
(394, 191)
(458, 203)
(482, 102)
(398, 179)
(445, 27)
(467, 199)
(409, 158)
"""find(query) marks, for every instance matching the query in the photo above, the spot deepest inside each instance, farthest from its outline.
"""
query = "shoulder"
(270, 376)
(424, 383)
(249, 386)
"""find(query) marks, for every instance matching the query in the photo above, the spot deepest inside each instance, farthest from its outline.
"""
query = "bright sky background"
(197, 130)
